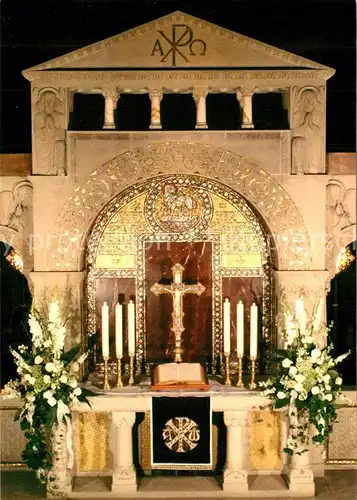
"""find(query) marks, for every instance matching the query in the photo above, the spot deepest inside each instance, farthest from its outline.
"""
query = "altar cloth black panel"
(181, 430)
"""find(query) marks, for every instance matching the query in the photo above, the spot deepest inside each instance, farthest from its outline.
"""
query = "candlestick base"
(119, 379)
(227, 380)
(131, 370)
(106, 385)
(239, 383)
(252, 384)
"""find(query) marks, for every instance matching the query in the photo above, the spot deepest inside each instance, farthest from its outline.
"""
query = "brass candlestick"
(106, 385)
(228, 380)
(131, 369)
(252, 384)
(119, 379)
(240, 381)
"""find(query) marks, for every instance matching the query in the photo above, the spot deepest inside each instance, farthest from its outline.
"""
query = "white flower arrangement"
(48, 387)
(306, 380)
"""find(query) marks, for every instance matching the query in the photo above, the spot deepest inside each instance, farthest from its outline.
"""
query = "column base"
(155, 126)
(301, 481)
(235, 480)
(201, 126)
(247, 125)
(124, 480)
(109, 126)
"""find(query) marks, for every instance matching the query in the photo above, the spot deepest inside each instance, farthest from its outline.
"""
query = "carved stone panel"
(49, 123)
(308, 130)
(340, 220)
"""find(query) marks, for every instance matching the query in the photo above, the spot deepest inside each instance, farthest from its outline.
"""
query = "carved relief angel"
(49, 134)
(15, 205)
(340, 219)
(307, 143)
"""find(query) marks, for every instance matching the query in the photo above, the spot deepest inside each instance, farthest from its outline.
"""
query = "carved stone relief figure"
(308, 134)
(16, 205)
(340, 220)
(49, 133)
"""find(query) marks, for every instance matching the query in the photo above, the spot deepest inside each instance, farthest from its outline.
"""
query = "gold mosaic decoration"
(203, 210)
(91, 441)
(264, 440)
(178, 207)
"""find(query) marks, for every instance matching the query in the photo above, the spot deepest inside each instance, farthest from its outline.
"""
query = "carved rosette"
(238, 172)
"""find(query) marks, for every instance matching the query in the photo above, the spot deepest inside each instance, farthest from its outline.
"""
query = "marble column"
(244, 97)
(155, 98)
(199, 95)
(111, 97)
(235, 477)
(124, 475)
(59, 483)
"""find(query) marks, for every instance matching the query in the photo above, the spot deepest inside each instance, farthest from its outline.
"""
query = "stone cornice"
(139, 79)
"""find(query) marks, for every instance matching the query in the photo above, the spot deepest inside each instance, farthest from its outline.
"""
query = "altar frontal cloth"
(181, 434)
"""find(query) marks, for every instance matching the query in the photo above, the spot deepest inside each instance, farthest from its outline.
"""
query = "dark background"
(35, 31)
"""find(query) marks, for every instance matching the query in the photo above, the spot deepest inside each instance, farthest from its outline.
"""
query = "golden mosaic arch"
(261, 190)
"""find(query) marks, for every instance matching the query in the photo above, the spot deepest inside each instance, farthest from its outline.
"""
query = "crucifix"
(177, 289)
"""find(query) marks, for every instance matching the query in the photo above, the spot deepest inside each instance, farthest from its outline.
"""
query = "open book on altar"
(172, 376)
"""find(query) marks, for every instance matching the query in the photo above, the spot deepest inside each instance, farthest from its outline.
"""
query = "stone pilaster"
(155, 98)
(245, 97)
(235, 477)
(111, 97)
(199, 95)
(124, 475)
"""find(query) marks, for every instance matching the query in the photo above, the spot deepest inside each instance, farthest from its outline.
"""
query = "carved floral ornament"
(240, 173)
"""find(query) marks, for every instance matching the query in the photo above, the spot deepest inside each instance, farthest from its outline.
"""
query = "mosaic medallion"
(176, 205)
(181, 434)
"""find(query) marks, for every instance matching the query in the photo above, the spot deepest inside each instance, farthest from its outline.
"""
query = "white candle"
(105, 330)
(131, 328)
(119, 330)
(301, 315)
(240, 329)
(227, 327)
(253, 330)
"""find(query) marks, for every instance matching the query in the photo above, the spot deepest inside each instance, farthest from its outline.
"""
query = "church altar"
(242, 212)
(123, 405)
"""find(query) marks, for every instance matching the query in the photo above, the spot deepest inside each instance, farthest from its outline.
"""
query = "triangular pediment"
(178, 40)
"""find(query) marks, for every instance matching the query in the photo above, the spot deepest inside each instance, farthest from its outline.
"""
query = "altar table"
(123, 404)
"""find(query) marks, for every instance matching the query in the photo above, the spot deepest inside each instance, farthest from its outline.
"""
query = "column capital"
(244, 92)
(155, 93)
(123, 418)
(295, 282)
(113, 93)
(199, 92)
(235, 418)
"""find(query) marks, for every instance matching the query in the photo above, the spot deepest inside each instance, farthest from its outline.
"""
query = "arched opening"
(207, 227)
(16, 302)
(341, 311)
